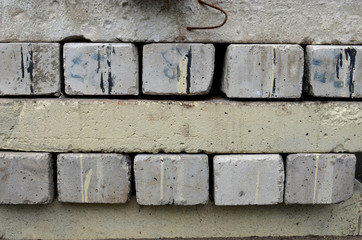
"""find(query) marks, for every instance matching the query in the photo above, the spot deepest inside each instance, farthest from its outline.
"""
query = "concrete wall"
(284, 112)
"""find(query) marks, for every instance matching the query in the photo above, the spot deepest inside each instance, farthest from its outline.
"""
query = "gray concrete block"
(319, 178)
(256, 179)
(263, 71)
(178, 69)
(334, 71)
(181, 179)
(93, 178)
(26, 178)
(101, 69)
(29, 69)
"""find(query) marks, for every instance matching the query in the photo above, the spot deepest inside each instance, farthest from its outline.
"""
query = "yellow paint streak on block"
(162, 177)
(257, 184)
(86, 184)
(182, 75)
(315, 178)
(180, 181)
(99, 176)
(81, 176)
(345, 70)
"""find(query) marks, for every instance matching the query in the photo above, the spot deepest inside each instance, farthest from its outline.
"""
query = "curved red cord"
(213, 27)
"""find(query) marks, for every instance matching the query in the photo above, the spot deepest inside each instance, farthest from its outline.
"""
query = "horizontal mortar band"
(214, 126)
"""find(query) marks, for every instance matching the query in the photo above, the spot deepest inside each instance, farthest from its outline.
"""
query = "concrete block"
(177, 69)
(248, 179)
(334, 71)
(263, 71)
(93, 178)
(319, 178)
(101, 69)
(26, 178)
(29, 69)
(162, 179)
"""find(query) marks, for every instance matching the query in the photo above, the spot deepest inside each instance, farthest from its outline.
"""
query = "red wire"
(213, 27)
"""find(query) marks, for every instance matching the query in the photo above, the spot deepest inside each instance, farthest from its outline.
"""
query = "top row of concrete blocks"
(250, 70)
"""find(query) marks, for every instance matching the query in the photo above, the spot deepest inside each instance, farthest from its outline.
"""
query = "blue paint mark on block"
(100, 58)
(338, 84)
(316, 62)
(77, 60)
(320, 77)
(80, 77)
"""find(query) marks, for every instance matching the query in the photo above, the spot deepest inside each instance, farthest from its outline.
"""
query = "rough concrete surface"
(174, 179)
(93, 178)
(177, 69)
(26, 178)
(319, 178)
(263, 71)
(75, 221)
(334, 71)
(255, 179)
(151, 126)
(29, 69)
(279, 21)
(100, 69)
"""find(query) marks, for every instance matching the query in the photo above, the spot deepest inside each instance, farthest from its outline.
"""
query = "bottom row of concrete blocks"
(180, 179)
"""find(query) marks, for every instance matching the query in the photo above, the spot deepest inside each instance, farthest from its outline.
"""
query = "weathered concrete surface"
(319, 178)
(213, 126)
(334, 71)
(179, 179)
(248, 179)
(279, 21)
(177, 69)
(263, 71)
(75, 221)
(100, 69)
(93, 178)
(26, 178)
(29, 69)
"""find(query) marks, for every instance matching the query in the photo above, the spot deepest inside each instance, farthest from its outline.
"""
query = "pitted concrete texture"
(334, 71)
(279, 21)
(248, 179)
(29, 69)
(170, 179)
(177, 69)
(93, 178)
(26, 178)
(101, 69)
(212, 126)
(130, 220)
(319, 178)
(263, 71)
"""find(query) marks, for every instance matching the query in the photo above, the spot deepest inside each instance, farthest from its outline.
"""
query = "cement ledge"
(279, 21)
(82, 221)
(214, 126)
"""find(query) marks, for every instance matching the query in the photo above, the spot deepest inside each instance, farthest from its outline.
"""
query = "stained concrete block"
(101, 69)
(334, 71)
(256, 179)
(177, 179)
(177, 69)
(93, 178)
(319, 178)
(263, 71)
(26, 178)
(29, 69)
